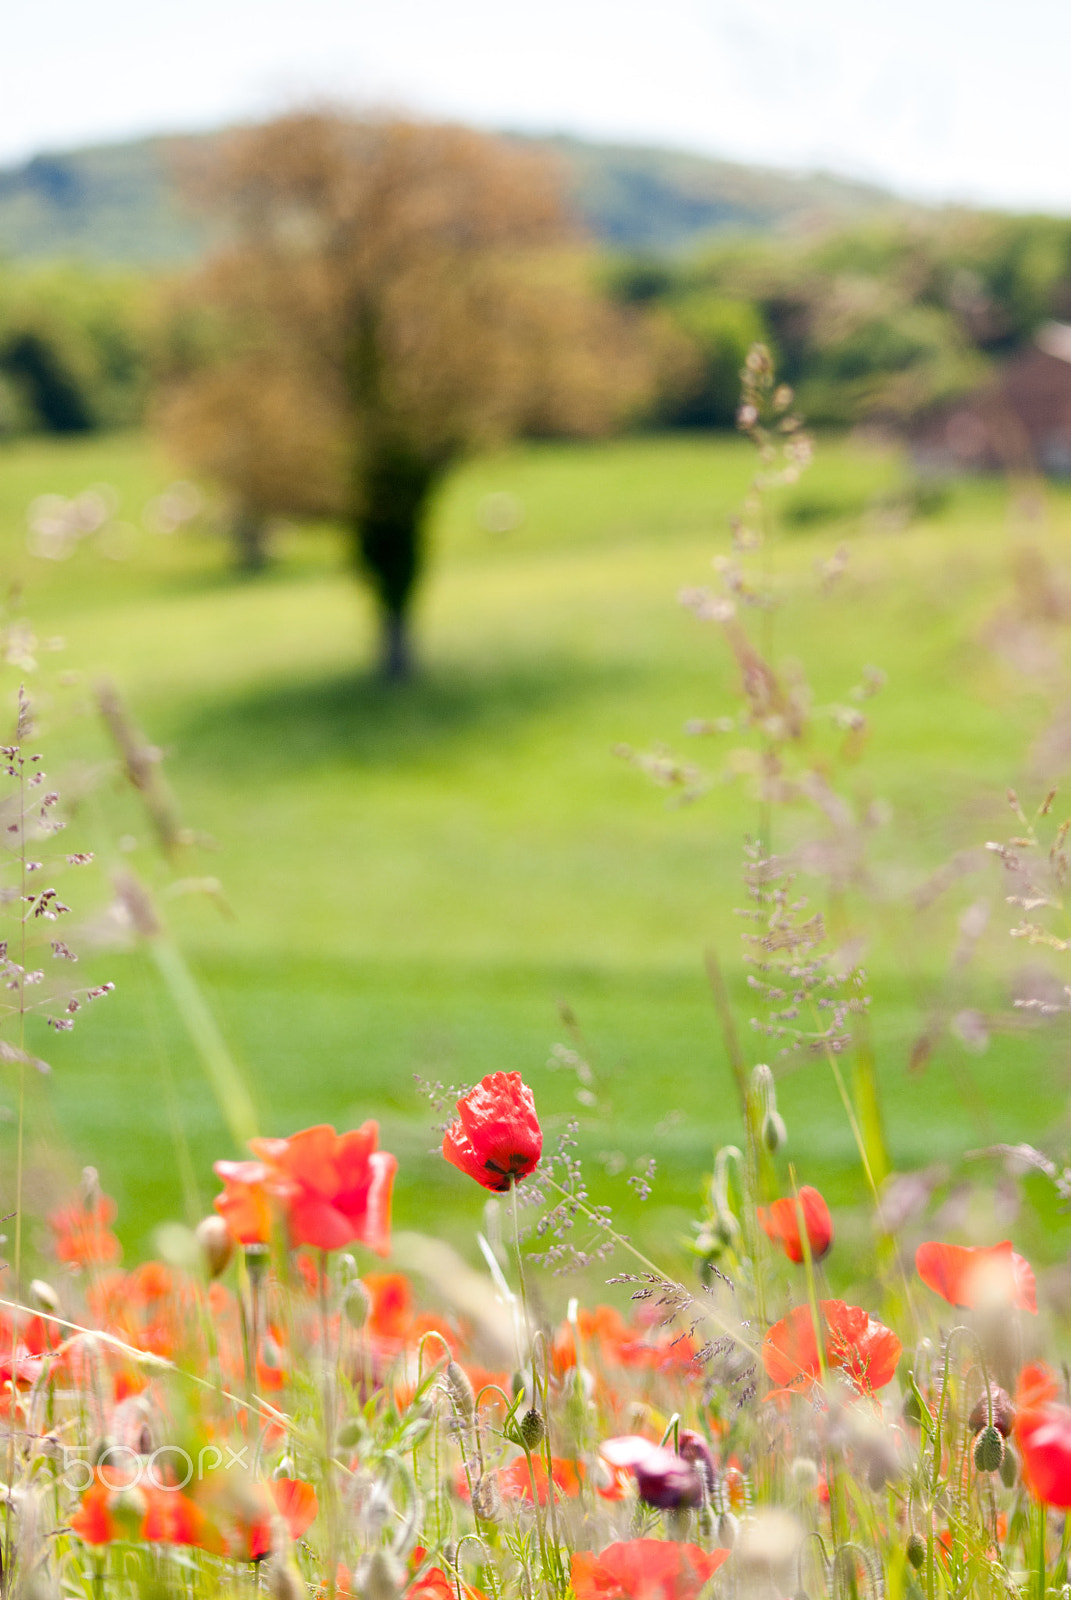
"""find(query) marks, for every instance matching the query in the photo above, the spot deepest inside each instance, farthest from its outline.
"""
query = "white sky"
(959, 99)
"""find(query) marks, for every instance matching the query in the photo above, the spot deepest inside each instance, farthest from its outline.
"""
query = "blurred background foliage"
(874, 310)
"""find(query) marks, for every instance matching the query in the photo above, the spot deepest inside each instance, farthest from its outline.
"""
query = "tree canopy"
(391, 295)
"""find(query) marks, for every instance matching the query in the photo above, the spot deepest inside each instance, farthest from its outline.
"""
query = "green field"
(418, 877)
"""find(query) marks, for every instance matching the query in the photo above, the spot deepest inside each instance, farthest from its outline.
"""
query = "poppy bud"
(805, 1474)
(530, 1429)
(44, 1295)
(384, 1579)
(988, 1450)
(270, 1354)
(357, 1304)
(215, 1243)
(350, 1433)
(774, 1132)
(1009, 1468)
(727, 1530)
(486, 1501)
(916, 1551)
(461, 1392)
(694, 1448)
(1003, 1411)
(911, 1409)
(283, 1581)
(128, 1507)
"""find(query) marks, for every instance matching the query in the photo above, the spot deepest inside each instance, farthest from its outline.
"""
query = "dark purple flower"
(664, 1479)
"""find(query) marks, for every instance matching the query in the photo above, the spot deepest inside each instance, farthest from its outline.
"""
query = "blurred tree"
(392, 295)
(74, 347)
(720, 332)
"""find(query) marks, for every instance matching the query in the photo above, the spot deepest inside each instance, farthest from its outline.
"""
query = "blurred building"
(1019, 421)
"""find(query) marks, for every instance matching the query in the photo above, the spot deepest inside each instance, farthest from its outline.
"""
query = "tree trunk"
(396, 649)
(249, 532)
(392, 494)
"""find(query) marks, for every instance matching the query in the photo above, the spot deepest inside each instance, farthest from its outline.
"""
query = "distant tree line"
(879, 319)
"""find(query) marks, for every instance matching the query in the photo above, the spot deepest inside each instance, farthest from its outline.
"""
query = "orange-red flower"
(973, 1276)
(433, 1583)
(496, 1137)
(110, 1509)
(863, 1349)
(781, 1222)
(173, 1518)
(515, 1481)
(249, 1200)
(83, 1233)
(644, 1569)
(295, 1502)
(337, 1186)
(1043, 1434)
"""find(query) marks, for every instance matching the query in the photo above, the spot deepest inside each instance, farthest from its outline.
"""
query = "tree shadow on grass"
(359, 720)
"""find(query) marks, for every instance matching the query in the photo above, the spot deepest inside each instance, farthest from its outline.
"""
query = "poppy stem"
(329, 1428)
(1042, 1525)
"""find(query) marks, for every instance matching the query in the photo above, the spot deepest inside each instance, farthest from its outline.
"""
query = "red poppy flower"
(112, 1508)
(973, 1276)
(94, 1521)
(781, 1223)
(644, 1569)
(173, 1518)
(83, 1233)
(434, 1583)
(339, 1186)
(515, 1481)
(1043, 1434)
(295, 1502)
(249, 1199)
(390, 1314)
(496, 1137)
(1035, 1386)
(864, 1350)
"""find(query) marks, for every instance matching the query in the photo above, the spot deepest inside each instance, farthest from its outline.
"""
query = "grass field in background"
(419, 876)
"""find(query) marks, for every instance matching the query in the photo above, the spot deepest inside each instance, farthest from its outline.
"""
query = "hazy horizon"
(942, 102)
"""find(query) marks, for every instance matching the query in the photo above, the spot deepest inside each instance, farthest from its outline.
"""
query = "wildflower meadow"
(789, 1396)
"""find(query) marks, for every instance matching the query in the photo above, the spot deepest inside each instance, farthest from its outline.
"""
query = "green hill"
(120, 203)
